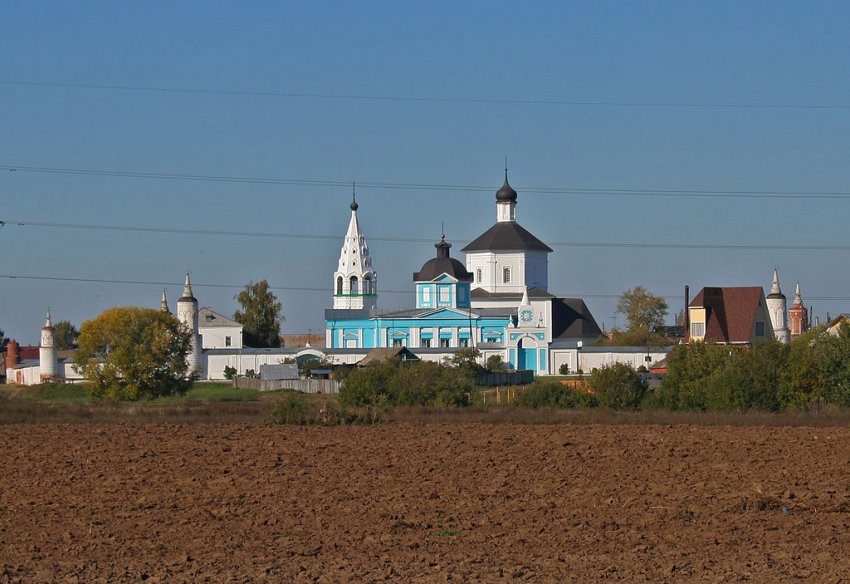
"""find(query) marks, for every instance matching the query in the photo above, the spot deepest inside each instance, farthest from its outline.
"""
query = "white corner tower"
(355, 281)
(187, 313)
(47, 352)
(777, 308)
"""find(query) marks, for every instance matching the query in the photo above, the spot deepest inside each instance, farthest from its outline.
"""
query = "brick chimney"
(12, 355)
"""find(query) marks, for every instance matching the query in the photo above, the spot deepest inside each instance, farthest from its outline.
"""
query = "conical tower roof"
(187, 291)
(775, 290)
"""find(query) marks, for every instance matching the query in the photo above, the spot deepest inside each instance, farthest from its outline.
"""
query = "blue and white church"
(497, 301)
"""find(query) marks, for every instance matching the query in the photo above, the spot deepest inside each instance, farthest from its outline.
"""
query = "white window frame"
(506, 275)
(697, 329)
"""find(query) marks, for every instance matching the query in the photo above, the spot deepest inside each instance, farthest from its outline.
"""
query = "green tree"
(618, 386)
(684, 386)
(817, 370)
(495, 364)
(260, 315)
(644, 313)
(748, 379)
(133, 353)
(3, 340)
(465, 361)
(65, 335)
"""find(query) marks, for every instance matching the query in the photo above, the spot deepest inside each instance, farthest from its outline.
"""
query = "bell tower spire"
(355, 283)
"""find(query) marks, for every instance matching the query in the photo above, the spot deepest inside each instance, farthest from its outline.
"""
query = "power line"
(431, 99)
(572, 191)
(578, 244)
(292, 288)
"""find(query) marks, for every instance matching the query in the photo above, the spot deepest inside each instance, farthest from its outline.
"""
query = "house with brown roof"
(731, 315)
(836, 324)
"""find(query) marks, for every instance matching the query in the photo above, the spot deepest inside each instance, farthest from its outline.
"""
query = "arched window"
(354, 285)
(367, 285)
(339, 285)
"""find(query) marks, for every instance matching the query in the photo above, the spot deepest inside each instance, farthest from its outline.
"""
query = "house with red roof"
(730, 316)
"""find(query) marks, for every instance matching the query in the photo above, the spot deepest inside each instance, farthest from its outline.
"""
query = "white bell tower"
(355, 282)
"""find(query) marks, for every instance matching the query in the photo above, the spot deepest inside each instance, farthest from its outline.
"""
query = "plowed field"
(423, 503)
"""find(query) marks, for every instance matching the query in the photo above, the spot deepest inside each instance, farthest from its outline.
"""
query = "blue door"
(527, 358)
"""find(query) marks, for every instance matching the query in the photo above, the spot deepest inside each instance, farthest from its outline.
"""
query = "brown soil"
(423, 503)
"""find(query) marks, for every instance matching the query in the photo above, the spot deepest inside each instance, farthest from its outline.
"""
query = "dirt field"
(423, 503)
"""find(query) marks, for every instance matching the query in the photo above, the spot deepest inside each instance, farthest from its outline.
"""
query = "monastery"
(496, 300)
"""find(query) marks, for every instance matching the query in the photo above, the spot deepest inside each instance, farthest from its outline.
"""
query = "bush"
(229, 372)
(293, 409)
(369, 386)
(618, 386)
(552, 394)
(417, 384)
(298, 409)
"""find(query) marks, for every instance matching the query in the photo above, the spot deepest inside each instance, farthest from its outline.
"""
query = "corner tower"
(355, 281)
(187, 313)
(798, 315)
(47, 351)
(776, 307)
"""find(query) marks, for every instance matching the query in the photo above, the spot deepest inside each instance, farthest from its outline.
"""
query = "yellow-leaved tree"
(132, 353)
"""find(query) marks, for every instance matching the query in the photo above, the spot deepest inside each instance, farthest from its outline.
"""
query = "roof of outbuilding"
(207, 317)
(533, 293)
(572, 319)
(382, 354)
(507, 236)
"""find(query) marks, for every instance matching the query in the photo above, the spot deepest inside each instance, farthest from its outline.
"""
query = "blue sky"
(260, 67)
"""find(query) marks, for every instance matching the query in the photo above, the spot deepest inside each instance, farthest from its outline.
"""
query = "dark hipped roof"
(507, 236)
(572, 319)
(730, 312)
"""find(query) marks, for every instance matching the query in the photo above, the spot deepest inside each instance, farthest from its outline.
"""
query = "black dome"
(442, 264)
(506, 194)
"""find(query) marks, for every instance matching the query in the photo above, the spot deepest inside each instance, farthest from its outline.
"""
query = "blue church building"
(497, 301)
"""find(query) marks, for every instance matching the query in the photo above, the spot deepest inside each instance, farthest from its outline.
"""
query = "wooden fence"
(302, 385)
